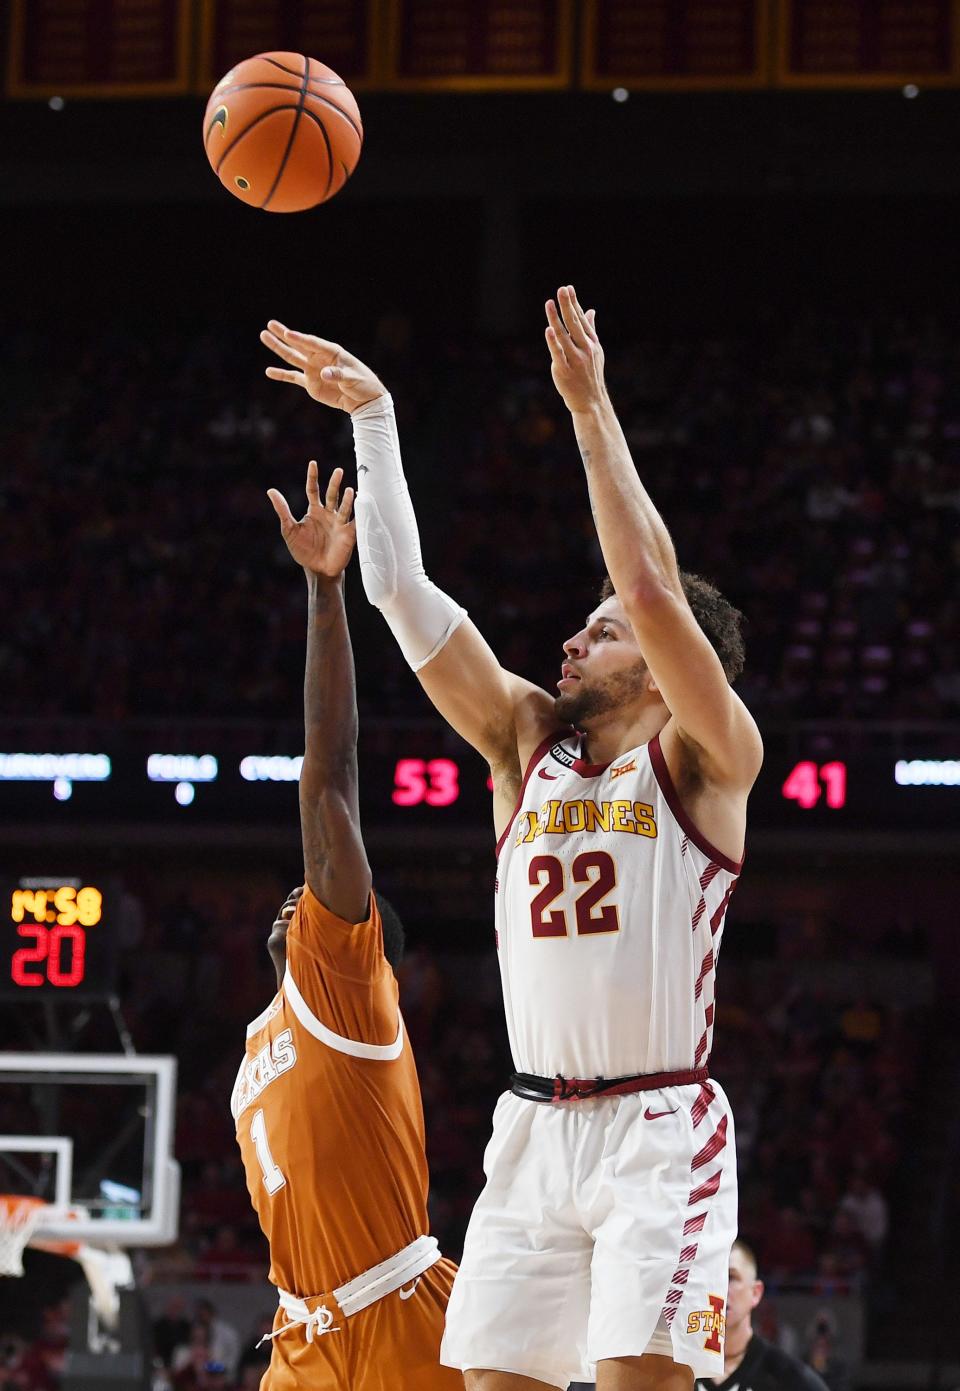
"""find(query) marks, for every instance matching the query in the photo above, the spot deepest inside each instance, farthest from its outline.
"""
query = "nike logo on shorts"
(408, 1291)
(649, 1115)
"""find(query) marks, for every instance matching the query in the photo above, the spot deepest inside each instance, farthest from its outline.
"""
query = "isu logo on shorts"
(710, 1321)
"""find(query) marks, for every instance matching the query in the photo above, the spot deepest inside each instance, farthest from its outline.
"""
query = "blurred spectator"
(861, 1023)
(256, 1354)
(224, 1258)
(171, 1329)
(42, 1363)
(14, 1350)
(867, 1209)
(821, 1354)
(190, 1358)
(223, 1339)
(829, 478)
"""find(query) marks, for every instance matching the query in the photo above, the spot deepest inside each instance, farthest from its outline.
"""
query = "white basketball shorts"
(601, 1221)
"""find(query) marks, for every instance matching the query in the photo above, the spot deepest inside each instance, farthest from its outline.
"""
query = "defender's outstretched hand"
(326, 371)
(576, 357)
(324, 538)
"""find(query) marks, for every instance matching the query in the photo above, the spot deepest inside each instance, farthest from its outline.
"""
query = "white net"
(19, 1218)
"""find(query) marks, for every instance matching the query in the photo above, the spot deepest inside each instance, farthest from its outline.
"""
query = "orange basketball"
(282, 132)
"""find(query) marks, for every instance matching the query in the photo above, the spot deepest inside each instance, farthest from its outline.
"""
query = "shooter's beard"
(615, 691)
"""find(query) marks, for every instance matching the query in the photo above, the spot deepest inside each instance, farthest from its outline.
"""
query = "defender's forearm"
(334, 860)
(636, 545)
(329, 687)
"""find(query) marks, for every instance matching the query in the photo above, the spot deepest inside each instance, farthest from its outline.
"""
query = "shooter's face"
(603, 668)
(277, 941)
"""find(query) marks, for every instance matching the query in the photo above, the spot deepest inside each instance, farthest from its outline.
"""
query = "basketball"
(282, 132)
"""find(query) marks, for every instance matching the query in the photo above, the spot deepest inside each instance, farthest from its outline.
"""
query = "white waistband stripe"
(362, 1291)
(377, 1052)
(388, 1276)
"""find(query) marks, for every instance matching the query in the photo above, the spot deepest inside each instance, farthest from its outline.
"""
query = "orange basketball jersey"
(328, 1111)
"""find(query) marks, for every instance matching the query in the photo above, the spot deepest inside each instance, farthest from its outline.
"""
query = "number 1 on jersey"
(273, 1179)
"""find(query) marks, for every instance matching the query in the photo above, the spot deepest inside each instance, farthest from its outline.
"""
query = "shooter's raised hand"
(576, 357)
(324, 538)
(326, 371)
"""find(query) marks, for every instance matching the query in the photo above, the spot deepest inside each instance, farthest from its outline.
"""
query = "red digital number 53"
(435, 781)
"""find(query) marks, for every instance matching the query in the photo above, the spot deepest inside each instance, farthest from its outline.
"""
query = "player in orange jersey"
(326, 1102)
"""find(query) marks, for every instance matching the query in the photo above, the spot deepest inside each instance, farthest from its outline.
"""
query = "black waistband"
(531, 1088)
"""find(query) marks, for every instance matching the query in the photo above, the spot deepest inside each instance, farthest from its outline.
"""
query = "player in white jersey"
(599, 1246)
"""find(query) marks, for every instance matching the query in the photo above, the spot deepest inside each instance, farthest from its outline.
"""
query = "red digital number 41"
(807, 782)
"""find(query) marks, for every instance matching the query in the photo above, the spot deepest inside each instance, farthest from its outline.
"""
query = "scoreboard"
(424, 776)
(58, 937)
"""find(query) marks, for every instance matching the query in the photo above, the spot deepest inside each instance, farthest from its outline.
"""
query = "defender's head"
(604, 670)
(393, 933)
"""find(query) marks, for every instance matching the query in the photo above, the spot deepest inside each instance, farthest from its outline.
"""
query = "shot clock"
(58, 938)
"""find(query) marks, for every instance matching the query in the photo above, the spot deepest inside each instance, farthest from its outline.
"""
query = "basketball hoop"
(21, 1215)
(19, 1218)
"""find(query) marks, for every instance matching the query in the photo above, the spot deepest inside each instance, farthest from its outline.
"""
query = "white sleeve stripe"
(378, 1052)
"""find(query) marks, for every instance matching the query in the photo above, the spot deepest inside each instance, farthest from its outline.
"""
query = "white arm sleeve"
(421, 617)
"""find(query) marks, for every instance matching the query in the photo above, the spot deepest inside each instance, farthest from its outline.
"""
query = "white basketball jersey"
(609, 913)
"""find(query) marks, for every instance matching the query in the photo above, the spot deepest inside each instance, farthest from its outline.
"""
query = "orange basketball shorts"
(392, 1345)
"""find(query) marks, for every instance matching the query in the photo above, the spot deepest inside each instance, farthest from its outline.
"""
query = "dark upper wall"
(472, 208)
(522, 145)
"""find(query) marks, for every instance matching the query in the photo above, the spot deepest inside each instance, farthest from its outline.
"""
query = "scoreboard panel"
(99, 48)
(479, 45)
(58, 937)
(649, 44)
(344, 34)
(868, 43)
(424, 776)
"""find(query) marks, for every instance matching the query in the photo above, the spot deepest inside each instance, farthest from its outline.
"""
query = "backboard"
(93, 1131)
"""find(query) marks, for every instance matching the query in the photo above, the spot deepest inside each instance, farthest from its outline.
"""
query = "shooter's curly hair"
(718, 618)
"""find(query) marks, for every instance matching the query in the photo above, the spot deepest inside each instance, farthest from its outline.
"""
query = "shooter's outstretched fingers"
(573, 317)
(271, 340)
(307, 342)
(346, 505)
(333, 487)
(283, 374)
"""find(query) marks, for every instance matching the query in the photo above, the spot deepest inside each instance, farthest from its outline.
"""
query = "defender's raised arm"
(642, 564)
(335, 861)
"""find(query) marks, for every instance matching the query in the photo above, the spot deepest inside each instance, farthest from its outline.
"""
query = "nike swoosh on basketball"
(408, 1291)
(649, 1115)
(551, 777)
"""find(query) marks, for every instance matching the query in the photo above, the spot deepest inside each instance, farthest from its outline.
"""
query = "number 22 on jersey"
(595, 869)
(273, 1179)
